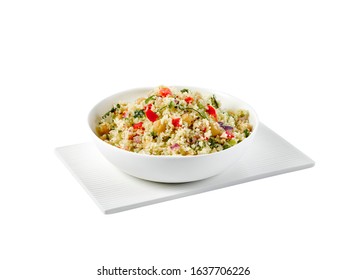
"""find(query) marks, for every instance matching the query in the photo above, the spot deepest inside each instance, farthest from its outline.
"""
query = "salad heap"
(169, 121)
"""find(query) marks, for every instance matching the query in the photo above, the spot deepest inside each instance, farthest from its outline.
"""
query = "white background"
(286, 58)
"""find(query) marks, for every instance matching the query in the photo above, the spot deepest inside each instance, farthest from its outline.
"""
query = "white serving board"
(114, 191)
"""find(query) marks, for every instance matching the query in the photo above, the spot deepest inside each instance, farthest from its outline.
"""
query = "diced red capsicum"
(138, 125)
(149, 106)
(212, 112)
(164, 92)
(189, 99)
(176, 122)
(229, 134)
(151, 115)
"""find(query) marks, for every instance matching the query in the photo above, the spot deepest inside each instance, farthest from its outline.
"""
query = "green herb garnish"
(202, 114)
(153, 134)
(184, 90)
(109, 112)
(139, 113)
(152, 97)
(246, 132)
(214, 102)
(162, 108)
(229, 144)
(212, 142)
(201, 106)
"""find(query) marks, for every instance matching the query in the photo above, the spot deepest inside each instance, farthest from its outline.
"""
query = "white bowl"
(171, 169)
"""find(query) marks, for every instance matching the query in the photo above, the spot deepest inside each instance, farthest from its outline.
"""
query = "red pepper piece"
(138, 125)
(229, 134)
(176, 122)
(149, 106)
(151, 115)
(189, 99)
(212, 112)
(164, 92)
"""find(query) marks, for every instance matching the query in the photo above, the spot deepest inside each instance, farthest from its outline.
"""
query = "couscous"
(169, 121)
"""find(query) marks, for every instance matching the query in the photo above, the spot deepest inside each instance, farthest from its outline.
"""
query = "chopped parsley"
(109, 112)
(214, 102)
(139, 114)
(202, 114)
(152, 97)
(212, 142)
(246, 132)
(161, 109)
(184, 90)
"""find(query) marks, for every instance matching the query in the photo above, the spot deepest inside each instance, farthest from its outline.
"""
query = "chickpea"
(215, 129)
(103, 129)
(187, 118)
(159, 127)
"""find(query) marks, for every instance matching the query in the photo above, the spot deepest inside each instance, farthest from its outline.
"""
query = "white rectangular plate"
(113, 191)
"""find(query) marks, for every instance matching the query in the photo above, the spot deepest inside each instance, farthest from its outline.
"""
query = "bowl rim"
(145, 89)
